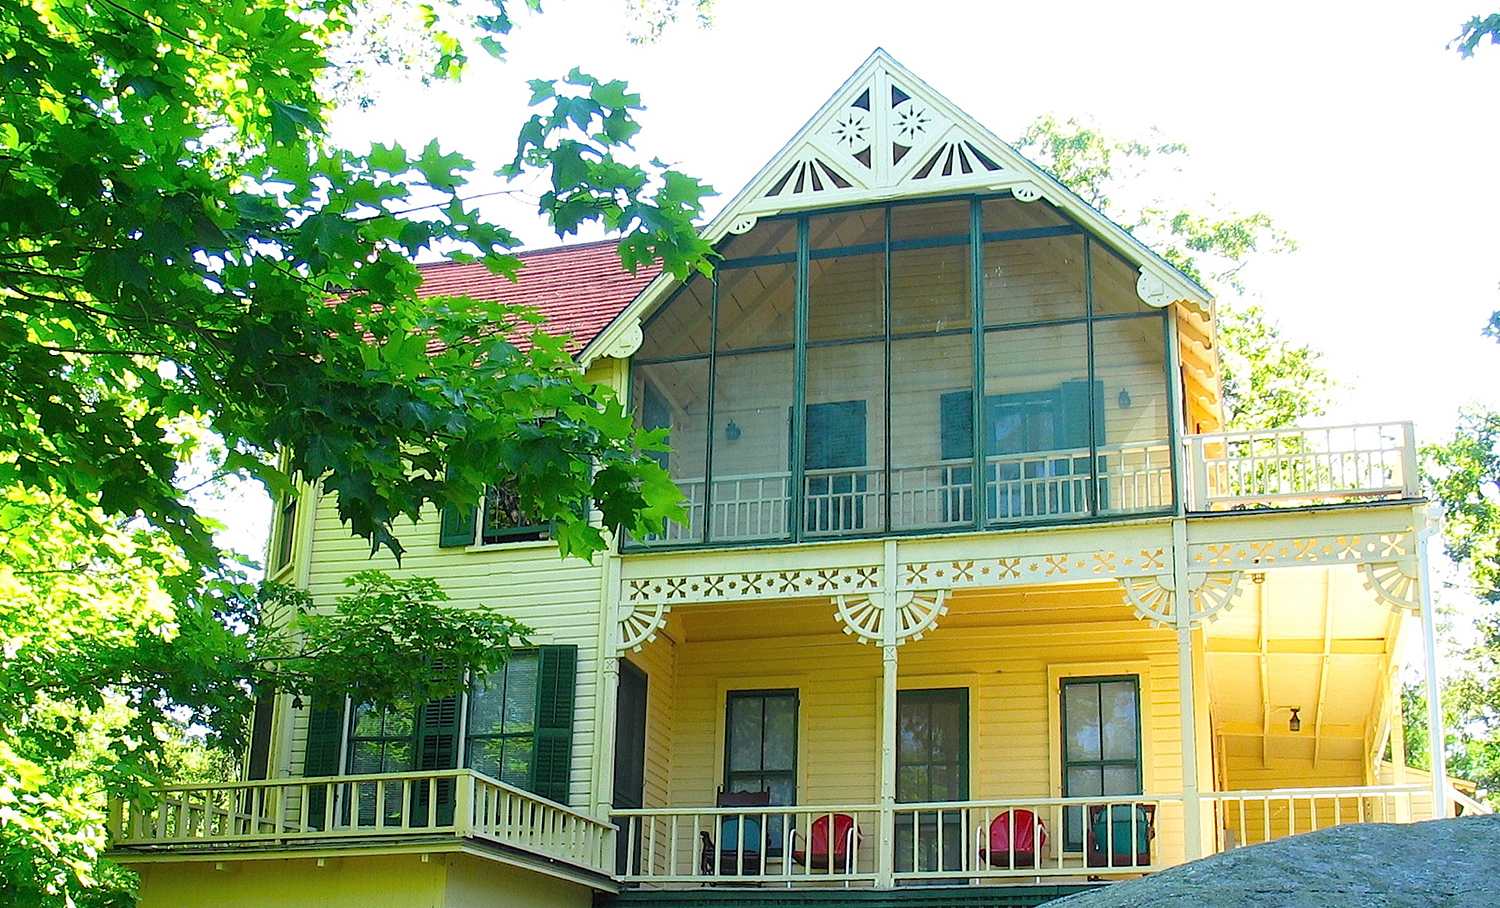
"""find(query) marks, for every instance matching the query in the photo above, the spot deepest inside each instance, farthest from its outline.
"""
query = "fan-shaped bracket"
(916, 612)
(1392, 584)
(639, 625)
(1154, 598)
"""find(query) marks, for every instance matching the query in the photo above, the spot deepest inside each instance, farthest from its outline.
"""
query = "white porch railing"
(1303, 466)
(1022, 838)
(1012, 838)
(1251, 817)
(459, 803)
(1283, 467)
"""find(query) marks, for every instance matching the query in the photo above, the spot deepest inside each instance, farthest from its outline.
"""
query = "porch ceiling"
(1310, 638)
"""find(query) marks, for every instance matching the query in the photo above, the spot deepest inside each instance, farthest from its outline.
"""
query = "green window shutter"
(437, 734)
(956, 411)
(557, 677)
(835, 435)
(1073, 419)
(325, 737)
(456, 527)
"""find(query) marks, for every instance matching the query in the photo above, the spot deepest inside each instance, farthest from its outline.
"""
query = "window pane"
(398, 757)
(1081, 712)
(521, 693)
(846, 297)
(1037, 423)
(757, 306)
(368, 721)
(932, 451)
(845, 439)
(1114, 283)
(1121, 780)
(681, 327)
(1130, 364)
(1084, 781)
(932, 219)
(677, 394)
(1009, 214)
(1033, 280)
(930, 289)
(485, 756)
(745, 733)
(1120, 720)
(518, 758)
(752, 410)
(846, 228)
(781, 733)
(769, 237)
(931, 735)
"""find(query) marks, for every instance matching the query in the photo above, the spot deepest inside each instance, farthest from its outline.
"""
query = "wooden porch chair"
(1015, 837)
(735, 855)
(1124, 831)
(822, 851)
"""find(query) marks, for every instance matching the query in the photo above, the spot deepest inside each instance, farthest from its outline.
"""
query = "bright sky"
(1351, 124)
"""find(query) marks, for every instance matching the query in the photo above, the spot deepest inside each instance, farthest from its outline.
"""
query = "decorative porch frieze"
(1155, 600)
(916, 613)
(750, 586)
(1030, 569)
(1259, 555)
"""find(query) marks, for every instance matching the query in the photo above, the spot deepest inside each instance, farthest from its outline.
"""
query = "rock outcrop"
(1438, 864)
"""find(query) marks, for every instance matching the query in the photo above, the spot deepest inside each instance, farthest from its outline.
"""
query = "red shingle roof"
(578, 289)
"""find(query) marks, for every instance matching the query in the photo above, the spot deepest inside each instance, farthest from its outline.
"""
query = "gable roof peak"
(886, 134)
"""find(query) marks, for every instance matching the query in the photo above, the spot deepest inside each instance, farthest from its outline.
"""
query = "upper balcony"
(1223, 471)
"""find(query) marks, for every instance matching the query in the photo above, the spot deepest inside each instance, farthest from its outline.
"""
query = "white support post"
(1435, 732)
(1192, 811)
(607, 683)
(886, 857)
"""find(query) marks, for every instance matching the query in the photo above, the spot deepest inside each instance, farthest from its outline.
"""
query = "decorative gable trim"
(886, 134)
(883, 134)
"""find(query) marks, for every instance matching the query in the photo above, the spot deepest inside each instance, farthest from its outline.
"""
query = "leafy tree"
(1475, 30)
(190, 272)
(1269, 381)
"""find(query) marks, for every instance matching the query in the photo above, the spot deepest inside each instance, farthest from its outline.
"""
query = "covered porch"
(1015, 707)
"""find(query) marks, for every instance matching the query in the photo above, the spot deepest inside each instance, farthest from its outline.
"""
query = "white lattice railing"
(460, 803)
(1303, 466)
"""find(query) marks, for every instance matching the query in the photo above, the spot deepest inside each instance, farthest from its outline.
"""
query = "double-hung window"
(517, 727)
(932, 764)
(1101, 731)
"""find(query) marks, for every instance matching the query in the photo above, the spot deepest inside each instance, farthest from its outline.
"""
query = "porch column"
(889, 628)
(1435, 735)
(607, 681)
(1192, 809)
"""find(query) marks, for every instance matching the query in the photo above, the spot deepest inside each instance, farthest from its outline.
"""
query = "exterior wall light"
(1295, 725)
(732, 431)
(1124, 399)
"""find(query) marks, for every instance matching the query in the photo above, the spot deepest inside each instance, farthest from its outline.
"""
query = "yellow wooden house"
(977, 603)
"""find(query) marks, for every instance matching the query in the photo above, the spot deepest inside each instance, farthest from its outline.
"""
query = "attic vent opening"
(954, 159)
(806, 177)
